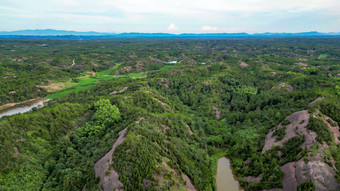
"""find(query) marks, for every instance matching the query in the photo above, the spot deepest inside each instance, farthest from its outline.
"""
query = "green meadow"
(323, 56)
(66, 92)
(88, 81)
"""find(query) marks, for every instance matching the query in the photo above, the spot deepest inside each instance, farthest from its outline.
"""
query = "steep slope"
(108, 176)
(314, 165)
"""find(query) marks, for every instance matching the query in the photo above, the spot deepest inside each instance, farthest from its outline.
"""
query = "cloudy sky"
(172, 16)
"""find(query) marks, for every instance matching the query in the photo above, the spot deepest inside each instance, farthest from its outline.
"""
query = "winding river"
(22, 107)
(225, 178)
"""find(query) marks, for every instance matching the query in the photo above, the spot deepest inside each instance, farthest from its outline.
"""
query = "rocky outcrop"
(334, 128)
(322, 175)
(120, 91)
(189, 186)
(253, 179)
(298, 122)
(103, 169)
(316, 101)
(314, 168)
(289, 181)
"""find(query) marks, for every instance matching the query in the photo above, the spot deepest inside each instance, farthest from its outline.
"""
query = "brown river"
(22, 107)
(225, 178)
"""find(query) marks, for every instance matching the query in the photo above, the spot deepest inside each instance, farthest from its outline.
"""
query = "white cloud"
(150, 15)
(207, 28)
(172, 27)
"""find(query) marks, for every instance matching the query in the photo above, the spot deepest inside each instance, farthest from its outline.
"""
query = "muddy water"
(22, 108)
(225, 179)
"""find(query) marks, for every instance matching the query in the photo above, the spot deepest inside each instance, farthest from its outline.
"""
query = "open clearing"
(88, 81)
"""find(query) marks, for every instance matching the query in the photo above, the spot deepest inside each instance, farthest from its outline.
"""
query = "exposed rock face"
(289, 181)
(189, 186)
(217, 113)
(109, 181)
(301, 64)
(286, 86)
(253, 179)
(321, 174)
(165, 82)
(315, 169)
(165, 128)
(120, 91)
(298, 122)
(243, 64)
(189, 130)
(316, 101)
(334, 130)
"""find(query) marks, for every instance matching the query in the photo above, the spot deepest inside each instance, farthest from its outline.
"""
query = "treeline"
(28, 143)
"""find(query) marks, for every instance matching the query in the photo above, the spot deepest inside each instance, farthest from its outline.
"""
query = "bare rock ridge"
(109, 181)
(322, 175)
(120, 91)
(316, 169)
(189, 186)
(316, 101)
(289, 181)
(253, 179)
(298, 122)
(334, 129)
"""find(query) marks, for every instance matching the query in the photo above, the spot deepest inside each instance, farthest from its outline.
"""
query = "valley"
(170, 114)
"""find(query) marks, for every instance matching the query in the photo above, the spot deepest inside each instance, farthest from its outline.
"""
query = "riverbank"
(21, 107)
(27, 102)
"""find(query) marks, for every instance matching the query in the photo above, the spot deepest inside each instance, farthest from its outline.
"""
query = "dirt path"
(110, 181)
(73, 63)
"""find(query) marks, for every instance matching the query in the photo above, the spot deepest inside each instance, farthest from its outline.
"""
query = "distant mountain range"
(50, 33)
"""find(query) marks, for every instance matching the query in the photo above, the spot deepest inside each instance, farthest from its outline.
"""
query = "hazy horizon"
(167, 32)
(151, 16)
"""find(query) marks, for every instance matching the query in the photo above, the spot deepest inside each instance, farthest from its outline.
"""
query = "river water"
(225, 178)
(22, 108)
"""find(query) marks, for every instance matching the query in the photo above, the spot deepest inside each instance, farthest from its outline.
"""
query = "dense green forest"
(267, 104)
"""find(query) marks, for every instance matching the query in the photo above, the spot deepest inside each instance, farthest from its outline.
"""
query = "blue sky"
(172, 16)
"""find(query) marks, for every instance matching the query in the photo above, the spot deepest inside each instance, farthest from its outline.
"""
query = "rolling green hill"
(268, 104)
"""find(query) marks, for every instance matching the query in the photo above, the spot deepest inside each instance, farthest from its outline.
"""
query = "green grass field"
(108, 72)
(87, 81)
(66, 92)
(323, 56)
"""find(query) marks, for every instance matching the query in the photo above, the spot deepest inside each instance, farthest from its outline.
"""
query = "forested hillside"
(167, 109)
